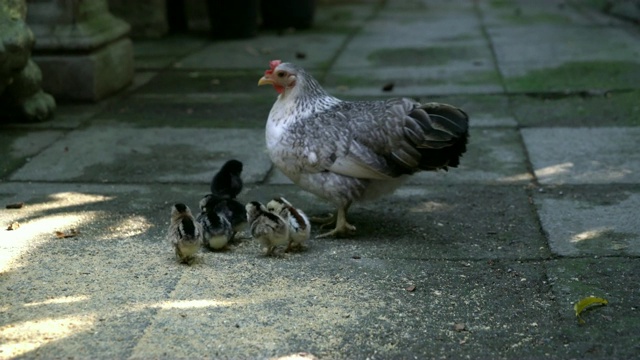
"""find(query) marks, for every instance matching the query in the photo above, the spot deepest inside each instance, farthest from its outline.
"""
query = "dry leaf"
(13, 226)
(411, 288)
(459, 327)
(17, 205)
(70, 234)
(586, 302)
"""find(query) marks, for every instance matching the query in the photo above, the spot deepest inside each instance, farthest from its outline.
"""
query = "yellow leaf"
(586, 302)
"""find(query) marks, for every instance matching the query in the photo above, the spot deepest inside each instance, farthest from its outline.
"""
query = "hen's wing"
(381, 139)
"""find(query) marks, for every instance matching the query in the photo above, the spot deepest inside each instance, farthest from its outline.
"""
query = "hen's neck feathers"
(307, 94)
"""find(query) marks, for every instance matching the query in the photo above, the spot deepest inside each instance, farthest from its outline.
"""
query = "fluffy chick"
(233, 211)
(185, 234)
(217, 230)
(268, 228)
(299, 225)
(227, 182)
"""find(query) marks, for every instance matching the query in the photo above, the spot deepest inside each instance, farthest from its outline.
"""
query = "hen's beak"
(265, 81)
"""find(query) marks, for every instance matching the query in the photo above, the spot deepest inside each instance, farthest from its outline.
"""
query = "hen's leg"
(343, 228)
(324, 221)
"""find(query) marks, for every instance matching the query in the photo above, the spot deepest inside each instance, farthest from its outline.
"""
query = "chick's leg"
(343, 228)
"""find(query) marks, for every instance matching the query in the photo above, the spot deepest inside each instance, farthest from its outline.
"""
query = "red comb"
(273, 64)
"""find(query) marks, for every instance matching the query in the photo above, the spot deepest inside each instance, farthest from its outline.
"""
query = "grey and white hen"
(184, 234)
(346, 151)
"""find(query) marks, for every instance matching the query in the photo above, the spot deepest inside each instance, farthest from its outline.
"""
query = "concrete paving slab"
(525, 13)
(349, 308)
(156, 54)
(421, 25)
(86, 296)
(596, 110)
(483, 249)
(342, 17)
(318, 50)
(430, 222)
(205, 82)
(116, 290)
(545, 57)
(615, 279)
(553, 45)
(191, 111)
(584, 155)
(19, 146)
(572, 77)
(422, 81)
(120, 153)
(583, 221)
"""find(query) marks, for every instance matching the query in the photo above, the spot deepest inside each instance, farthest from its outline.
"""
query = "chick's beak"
(265, 81)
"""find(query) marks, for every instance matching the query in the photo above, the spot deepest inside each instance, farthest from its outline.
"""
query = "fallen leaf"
(357, 257)
(300, 55)
(411, 288)
(17, 205)
(13, 226)
(459, 327)
(581, 305)
(70, 234)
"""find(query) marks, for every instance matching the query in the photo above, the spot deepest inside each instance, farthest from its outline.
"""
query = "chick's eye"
(281, 74)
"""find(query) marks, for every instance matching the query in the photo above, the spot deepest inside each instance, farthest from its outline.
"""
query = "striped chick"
(185, 234)
(299, 225)
(268, 228)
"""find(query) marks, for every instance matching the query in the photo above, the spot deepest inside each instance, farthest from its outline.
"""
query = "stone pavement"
(485, 261)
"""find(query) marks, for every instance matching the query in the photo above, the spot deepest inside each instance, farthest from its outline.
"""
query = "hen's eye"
(281, 74)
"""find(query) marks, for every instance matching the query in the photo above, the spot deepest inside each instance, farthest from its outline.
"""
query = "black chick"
(227, 183)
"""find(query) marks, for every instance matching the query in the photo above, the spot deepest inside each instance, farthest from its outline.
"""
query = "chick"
(217, 230)
(233, 211)
(299, 225)
(227, 183)
(185, 234)
(268, 228)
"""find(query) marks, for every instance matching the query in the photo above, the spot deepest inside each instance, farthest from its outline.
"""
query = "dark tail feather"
(446, 130)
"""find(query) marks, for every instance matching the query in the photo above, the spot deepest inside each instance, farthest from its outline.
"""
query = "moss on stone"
(518, 17)
(579, 75)
(610, 109)
(435, 55)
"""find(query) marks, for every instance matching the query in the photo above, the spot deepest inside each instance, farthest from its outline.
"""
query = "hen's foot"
(343, 230)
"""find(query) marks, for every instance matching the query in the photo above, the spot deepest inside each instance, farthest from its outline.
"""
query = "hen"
(345, 151)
